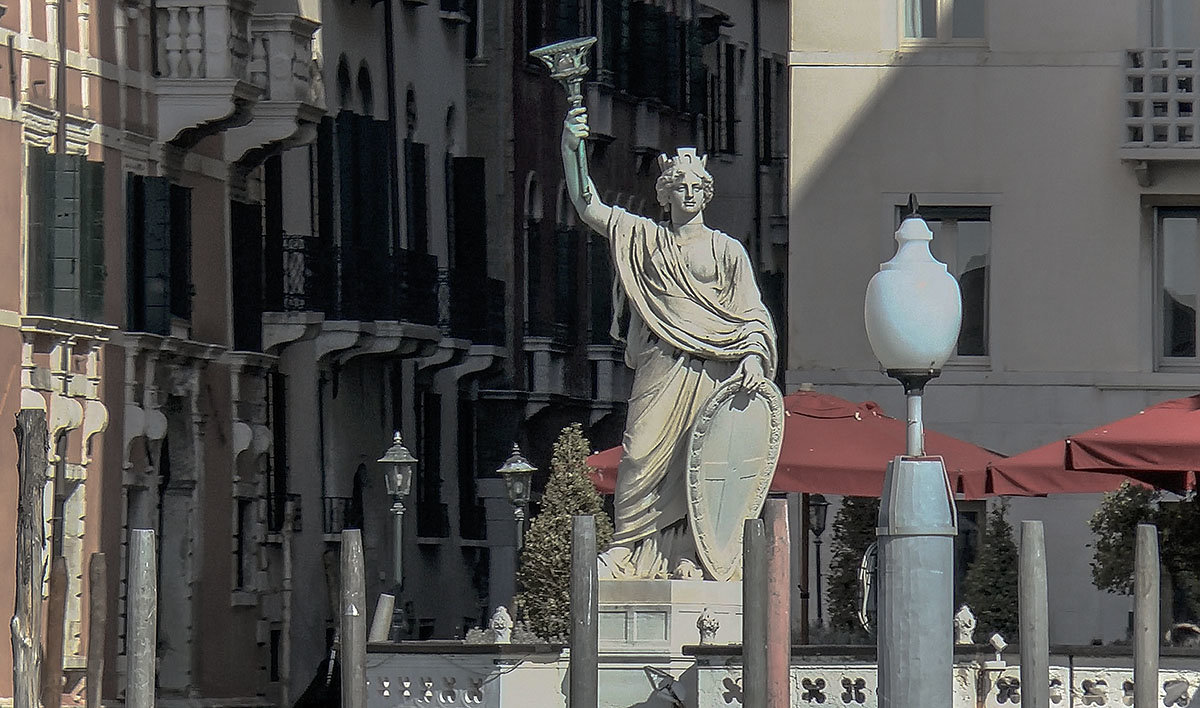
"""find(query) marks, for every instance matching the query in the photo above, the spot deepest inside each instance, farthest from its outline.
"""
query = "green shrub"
(990, 586)
(543, 578)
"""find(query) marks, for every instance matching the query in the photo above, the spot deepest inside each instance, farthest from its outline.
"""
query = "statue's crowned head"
(687, 161)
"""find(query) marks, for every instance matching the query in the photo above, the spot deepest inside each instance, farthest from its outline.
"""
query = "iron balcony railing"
(308, 274)
(474, 307)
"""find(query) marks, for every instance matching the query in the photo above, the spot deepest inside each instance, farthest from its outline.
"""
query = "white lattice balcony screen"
(1160, 98)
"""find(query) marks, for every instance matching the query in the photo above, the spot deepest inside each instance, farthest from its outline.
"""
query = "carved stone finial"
(708, 625)
(501, 625)
(964, 626)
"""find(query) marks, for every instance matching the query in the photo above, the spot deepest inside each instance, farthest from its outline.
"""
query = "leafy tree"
(544, 575)
(990, 585)
(1115, 525)
(853, 531)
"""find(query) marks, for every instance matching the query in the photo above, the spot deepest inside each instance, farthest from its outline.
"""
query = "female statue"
(691, 316)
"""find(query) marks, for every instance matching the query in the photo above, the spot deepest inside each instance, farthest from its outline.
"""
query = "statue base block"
(661, 615)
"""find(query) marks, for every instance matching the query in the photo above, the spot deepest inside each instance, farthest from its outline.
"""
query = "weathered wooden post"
(779, 600)
(1145, 617)
(354, 622)
(56, 615)
(97, 625)
(26, 624)
(754, 615)
(381, 623)
(1034, 617)
(585, 615)
(143, 619)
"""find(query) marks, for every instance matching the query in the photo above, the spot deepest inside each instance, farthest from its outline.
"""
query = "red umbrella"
(1158, 447)
(834, 446)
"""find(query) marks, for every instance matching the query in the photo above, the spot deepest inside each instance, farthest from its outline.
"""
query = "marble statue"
(692, 319)
(501, 625)
(964, 626)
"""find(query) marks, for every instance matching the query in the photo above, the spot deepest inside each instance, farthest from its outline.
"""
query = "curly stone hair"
(674, 169)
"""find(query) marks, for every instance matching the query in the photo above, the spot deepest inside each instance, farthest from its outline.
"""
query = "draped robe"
(686, 325)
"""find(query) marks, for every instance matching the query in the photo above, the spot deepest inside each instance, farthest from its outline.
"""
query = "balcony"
(282, 66)
(307, 274)
(203, 55)
(1160, 108)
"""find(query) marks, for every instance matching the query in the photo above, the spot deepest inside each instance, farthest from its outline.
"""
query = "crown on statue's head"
(686, 157)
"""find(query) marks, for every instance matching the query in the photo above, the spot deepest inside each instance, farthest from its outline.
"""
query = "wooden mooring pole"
(142, 637)
(1034, 617)
(97, 626)
(754, 615)
(585, 615)
(26, 624)
(56, 615)
(354, 622)
(1145, 617)
(779, 603)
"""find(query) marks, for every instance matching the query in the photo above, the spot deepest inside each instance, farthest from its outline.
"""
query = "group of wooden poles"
(766, 625)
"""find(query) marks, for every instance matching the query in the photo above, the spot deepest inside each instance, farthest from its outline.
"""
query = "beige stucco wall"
(1030, 124)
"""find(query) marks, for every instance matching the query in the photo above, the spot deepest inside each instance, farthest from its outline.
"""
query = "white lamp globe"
(913, 308)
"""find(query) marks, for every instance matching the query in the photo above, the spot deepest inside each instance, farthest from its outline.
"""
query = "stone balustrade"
(203, 39)
(281, 57)
(491, 676)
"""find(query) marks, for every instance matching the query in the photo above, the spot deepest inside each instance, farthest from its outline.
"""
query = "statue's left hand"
(751, 372)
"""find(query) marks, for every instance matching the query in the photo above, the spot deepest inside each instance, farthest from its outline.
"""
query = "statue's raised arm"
(591, 210)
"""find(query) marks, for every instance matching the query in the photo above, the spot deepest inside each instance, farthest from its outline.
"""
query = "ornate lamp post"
(518, 476)
(913, 313)
(818, 512)
(398, 465)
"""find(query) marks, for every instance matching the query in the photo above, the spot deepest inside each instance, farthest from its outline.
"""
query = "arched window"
(365, 93)
(536, 310)
(343, 83)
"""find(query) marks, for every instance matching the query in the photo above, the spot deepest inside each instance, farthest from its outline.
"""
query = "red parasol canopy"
(1159, 447)
(834, 446)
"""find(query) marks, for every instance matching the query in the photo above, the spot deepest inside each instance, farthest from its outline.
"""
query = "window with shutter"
(65, 267)
(91, 241)
(566, 299)
(181, 251)
(156, 255)
(697, 77)
(640, 64)
(470, 216)
(669, 84)
(40, 188)
(416, 193)
(246, 222)
(601, 284)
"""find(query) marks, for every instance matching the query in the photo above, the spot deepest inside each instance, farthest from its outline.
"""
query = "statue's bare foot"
(687, 570)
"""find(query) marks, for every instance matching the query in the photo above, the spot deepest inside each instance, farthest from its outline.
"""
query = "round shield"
(732, 452)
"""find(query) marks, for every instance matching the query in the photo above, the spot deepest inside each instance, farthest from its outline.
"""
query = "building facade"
(1053, 156)
(132, 137)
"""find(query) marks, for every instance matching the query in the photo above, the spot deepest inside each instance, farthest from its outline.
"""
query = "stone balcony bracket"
(282, 66)
(203, 58)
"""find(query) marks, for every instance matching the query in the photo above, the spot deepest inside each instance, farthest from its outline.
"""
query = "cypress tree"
(853, 531)
(990, 586)
(544, 575)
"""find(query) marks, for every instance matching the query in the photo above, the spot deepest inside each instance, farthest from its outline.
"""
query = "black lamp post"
(518, 477)
(398, 465)
(818, 511)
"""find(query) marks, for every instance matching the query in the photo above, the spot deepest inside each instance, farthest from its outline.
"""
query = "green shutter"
(156, 255)
(416, 176)
(40, 188)
(181, 251)
(697, 76)
(64, 268)
(91, 241)
(675, 61)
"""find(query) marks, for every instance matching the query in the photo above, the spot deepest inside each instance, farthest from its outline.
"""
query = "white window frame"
(1162, 362)
(944, 25)
(896, 208)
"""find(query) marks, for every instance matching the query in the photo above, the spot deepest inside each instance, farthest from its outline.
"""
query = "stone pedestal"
(660, 615)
